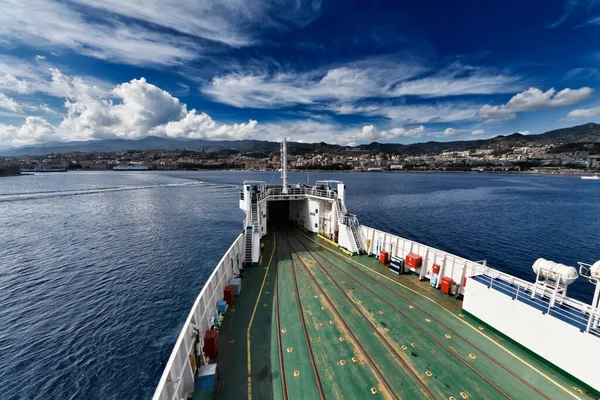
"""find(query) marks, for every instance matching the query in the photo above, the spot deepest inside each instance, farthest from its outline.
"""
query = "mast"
(284, 165)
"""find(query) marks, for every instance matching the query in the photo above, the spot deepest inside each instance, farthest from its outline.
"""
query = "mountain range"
(588, 133)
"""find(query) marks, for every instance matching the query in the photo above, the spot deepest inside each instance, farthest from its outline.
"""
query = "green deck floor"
(315, 323)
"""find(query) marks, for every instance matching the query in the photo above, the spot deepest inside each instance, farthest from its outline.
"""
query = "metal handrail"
(297, 191)
(584, 313)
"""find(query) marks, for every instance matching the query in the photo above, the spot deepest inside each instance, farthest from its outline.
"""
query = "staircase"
(248, 253)
(254, 213)
(350, 220)
(358, 238)
(341, 207)
(250, 230)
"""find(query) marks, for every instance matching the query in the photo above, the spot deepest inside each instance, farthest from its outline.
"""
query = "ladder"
(357, 234)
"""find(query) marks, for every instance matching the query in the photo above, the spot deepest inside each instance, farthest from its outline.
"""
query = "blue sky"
(337, 71)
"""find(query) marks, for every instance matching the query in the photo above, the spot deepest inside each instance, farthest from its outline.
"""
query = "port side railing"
(568, 309)
(178, 378)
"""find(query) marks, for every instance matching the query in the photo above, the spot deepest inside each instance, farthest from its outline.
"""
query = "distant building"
(396, 166)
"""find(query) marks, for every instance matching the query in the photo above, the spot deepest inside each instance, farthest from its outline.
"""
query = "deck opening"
(278, 212)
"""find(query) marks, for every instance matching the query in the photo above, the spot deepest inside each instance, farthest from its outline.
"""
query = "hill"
(588, 133)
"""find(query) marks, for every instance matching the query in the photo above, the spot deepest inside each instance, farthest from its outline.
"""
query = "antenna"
(284, 166)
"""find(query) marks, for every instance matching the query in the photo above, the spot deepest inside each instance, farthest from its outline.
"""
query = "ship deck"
(312, 322)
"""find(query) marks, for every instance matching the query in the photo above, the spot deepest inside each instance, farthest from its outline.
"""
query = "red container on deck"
(384, 257)
(210, 343)
(413, 260)
(436, 268)
(228, 295)
(447, 285)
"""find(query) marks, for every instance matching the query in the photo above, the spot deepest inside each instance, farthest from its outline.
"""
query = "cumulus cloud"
(451, 132)
(9, 104)
(477, 132)
(132, 110)
(34, 130)
(533, 99)
(372, 78)
(369, 133)
(202, 126)
(582, 113)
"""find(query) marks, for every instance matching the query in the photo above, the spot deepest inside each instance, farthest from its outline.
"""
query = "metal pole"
(284, 166)
(594, 308)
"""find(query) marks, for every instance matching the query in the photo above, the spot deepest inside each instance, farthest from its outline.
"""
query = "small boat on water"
(590, 177)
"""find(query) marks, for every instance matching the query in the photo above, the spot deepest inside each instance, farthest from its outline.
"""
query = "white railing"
(459, 268)
(178, 377)
(297, 191)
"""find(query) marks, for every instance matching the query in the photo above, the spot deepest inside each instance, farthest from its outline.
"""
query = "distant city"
(570, 150)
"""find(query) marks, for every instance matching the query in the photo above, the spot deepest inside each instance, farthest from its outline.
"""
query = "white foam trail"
(62, 193)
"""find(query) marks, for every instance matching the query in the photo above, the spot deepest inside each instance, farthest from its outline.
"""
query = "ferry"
(45, 168)
(591, 177)
(307, 303)
(130, 168)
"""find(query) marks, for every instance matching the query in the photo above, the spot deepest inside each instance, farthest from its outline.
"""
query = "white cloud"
(477, 132)
(373, 78)
(411, 114)
(451, 132)
(229, 22)
(311, 131)
(19, 76)
(369, 133)
(202, 126)
(13, 84)
(34, 130)
(490, 113)
(52, 24)
(131, 110)
(525, 133)
(40, 58)
(458, 80)
(9, 104)
(150, 32)
(370, 78)
(582, 113)
(533, 99)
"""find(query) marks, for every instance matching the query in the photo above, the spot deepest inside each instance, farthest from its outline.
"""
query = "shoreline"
(552, 172)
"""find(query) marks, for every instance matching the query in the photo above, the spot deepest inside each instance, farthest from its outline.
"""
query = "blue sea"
(98, 270)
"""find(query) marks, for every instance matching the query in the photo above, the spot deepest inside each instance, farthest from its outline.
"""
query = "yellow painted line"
(346, 251)
(252, 318)
(331, 242)
(455, 316)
